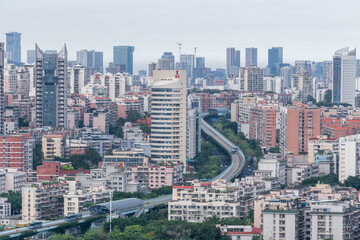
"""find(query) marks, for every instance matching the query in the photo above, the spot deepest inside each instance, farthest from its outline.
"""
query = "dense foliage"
(133, 116)
(117, 130)
(352, 182)
(145, 128)
(331, 179)
(15, 199)
(250, 147)
(90, 159)
(37, 156)
(206, 164)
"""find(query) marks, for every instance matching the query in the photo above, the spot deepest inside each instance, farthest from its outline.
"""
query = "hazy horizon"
(307, 30)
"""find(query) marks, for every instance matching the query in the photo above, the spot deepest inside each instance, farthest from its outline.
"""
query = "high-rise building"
(263, 125)
(304, 83)
(77, 79)
(51, 88)
(303, 67)
(166, 62)
(328, 73)
(10, 79)
(13, 47)
(200, 62)
(90, 59)
(152, 67)
(251, 56)
(168, 119)
(344, 75)
(285, 74)
(232, 61)
(298, 124)
(30, 56)
(124, 55)
(275, 57)
(188, 64)
(2, 97)
(251, 79)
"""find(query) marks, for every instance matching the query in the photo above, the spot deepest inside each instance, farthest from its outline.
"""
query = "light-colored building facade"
(53, 146)
(5, 208)
(168, 116)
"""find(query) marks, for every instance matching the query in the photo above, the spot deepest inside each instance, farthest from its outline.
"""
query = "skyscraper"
(168, 120)
(30, 56)
(275, 56)
(51, 88)
(2, 88)
(90, 59)
(13, 47)
(124, 55)
(200, 62)
(188, 64)
(251, 79)
(251, 57)
(77, 79)
(344, 75)
(230, 59)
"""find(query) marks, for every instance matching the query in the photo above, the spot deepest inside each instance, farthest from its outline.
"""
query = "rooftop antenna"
(179, 43)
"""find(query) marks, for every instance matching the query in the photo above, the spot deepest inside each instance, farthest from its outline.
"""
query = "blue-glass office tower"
(200, 62)
(188, 64)
(13, 47)
(51, 88)
(251, 56)
(124, 55)
(91, 59)
(275, 59)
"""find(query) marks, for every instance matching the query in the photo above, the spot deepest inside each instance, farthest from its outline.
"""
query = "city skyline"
(317, 45)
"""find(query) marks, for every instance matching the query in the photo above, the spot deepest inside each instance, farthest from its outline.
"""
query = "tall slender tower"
(344, 76)
(1, 88)
(124, 55)
(51, 88)
(168, 119)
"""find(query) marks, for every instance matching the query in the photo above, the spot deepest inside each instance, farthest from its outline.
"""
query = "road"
(235, 168)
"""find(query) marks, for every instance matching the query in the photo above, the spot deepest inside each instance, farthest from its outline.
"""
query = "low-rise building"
(239, 232)
(53, 146)
(155, 176)
(129, 157)
(203, 200)
(5, 208)
(15, 179)
(43, 201)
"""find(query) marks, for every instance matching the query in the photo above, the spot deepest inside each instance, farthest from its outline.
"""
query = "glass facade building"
(124, 55)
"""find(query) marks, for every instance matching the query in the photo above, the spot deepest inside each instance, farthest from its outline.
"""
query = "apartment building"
(155, 176)
(298, 124)
(348, 156)
(53, 146)
(17, 152)
(202, 200)
(15, 179)
(129, 158)
(304, 83)
(5, 208)
(299, 172)
(283, 219)
(263, 125)
(43, 201)
(2, 181)
(76, 200)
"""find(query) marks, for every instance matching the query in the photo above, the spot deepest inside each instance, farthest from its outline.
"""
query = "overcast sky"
(307, 29)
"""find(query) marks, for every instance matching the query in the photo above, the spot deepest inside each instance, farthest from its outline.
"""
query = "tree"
(331, 179)
(15, 199)
(93, 234)
(23, 122)
(145, 128)
(38, 156)
(311, 99)
(133, 116)
(328, 96)
(62, 237)
(352, 181)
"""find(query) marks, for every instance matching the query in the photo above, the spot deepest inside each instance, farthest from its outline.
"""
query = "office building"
(30, 56)
(13, 47)
(166, 62)
(285, 74)
(232, 61)
(188, 64)
(2, 97)
(303, 67)
(344, 75)
(51, 88)
(251, 56)
(124, 55)
(275, 57)
(251, 79)
(168, 116)
(200, 62)
(90, 59)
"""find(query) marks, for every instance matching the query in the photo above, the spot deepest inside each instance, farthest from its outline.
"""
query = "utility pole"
(179, 43)
(110, 208)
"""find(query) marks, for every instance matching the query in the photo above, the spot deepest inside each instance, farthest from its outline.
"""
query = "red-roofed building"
(240, 232)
